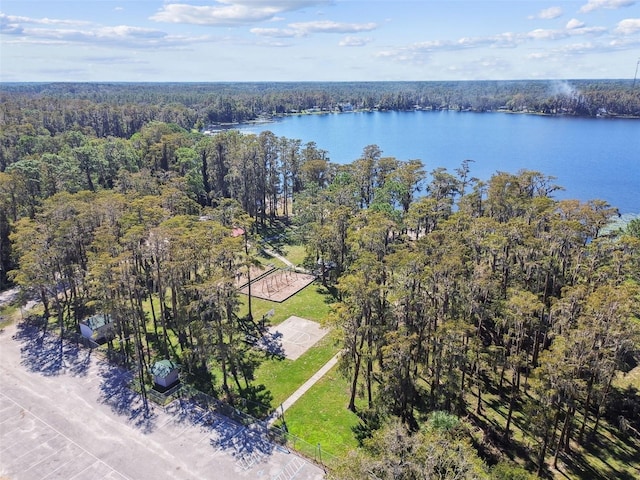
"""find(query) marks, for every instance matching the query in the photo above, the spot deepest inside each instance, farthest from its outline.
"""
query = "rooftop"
(162, 368)
(96, 321)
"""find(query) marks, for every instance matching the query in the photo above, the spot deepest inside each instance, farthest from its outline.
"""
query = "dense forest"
(120, 110)
(447, 289)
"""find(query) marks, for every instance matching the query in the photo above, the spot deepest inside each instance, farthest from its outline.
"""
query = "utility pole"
(636, 74)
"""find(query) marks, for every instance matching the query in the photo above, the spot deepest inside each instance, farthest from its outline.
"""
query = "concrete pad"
(298, 335)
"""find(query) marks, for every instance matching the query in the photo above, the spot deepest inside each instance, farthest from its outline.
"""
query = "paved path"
(284, 260)
(304, 388)
(275, 254)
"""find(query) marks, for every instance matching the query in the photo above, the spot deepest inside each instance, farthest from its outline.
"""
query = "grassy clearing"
(265, 259)
(630, 379)
(610, 455)
(321, 416)
(295, 254)
(283, 377)
(313, 303)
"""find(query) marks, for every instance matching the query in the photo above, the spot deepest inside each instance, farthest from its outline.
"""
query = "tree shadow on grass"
(494, 445)
(330, 292)
(116, 391)
(49, 354)
(576, 465)
(256, 400)
(577, 461)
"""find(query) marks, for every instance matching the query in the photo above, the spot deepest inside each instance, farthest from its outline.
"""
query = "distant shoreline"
(223, 126)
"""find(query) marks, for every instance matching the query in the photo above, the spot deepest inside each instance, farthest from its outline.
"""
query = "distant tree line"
(120, 110)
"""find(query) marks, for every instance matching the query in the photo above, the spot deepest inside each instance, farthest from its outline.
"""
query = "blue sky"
(317, 40)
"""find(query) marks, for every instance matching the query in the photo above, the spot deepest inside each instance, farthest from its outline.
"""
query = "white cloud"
(418, 52)
(302, 29)
(115, 60)
(539, 55)
(230, 12)
(353, 41)
(572, 29)
(592, 5)
(48, 31)
(272, 43)
(548, 13)
(578, 48)
(275, 32)
(15, 19)
(625, 43)
(546, 34)
(205, 15)
(564, 53)
(628, 26)
(479, 69)
(574, 23)
(120, 35)
(327, 26)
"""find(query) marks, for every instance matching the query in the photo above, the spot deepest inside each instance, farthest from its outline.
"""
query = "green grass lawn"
(630, 379)
(321, 416)
(313, 303)
(265, 259)
(283, 377)
(295, 253)
(611, 454)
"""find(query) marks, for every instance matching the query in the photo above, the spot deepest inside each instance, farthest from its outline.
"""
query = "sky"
(316, 40)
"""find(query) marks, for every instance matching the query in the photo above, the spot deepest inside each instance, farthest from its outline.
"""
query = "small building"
(97, 327)
(165, 373)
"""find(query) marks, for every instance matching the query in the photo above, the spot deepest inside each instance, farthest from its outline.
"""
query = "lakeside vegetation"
(122, 109)
(480, 316)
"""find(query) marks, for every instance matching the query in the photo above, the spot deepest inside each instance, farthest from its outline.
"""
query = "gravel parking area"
(65, 413)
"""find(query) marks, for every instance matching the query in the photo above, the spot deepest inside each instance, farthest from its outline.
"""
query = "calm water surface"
(592, 158)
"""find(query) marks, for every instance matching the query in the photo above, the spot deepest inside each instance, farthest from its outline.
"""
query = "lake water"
(592, 158)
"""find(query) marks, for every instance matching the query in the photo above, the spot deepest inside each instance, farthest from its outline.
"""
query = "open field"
(321, 415)
(283, 376)
(66, 413)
